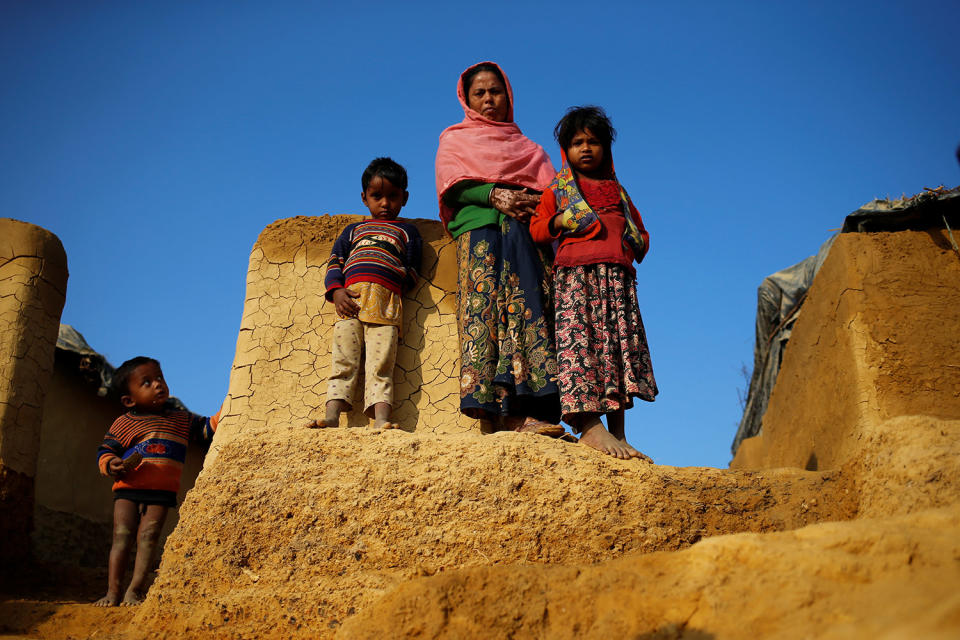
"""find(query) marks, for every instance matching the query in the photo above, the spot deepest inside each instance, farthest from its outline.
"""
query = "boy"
(144, 450)
(372, 263)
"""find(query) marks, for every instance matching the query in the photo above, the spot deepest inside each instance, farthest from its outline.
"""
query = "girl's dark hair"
(121, 376)
(581, 118)
(385, 168)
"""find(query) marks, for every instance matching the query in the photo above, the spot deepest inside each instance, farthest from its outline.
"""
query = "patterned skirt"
(507, 361)
(602, 350)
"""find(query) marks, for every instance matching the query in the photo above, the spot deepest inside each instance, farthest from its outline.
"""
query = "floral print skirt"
(602, 352)
(507, 366)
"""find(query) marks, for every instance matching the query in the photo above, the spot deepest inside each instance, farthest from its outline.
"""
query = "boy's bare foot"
(596, 435)
(132, 598)
(323, 424)
(109, 600)
(388, 425)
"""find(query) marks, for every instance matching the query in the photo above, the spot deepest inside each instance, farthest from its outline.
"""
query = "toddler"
(602, 352)
(372, 263)
(144, 451)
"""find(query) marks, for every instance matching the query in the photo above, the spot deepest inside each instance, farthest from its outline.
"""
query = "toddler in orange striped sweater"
(144, 451)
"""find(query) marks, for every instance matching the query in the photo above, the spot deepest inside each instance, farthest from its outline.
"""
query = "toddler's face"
(384, 199)
(146, 388)
(585, 153)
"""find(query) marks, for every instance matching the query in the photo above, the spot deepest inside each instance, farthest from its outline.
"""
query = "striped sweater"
(162, 441)
(386, 252)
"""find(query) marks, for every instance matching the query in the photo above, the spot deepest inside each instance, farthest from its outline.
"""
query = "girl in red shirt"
(602, 353)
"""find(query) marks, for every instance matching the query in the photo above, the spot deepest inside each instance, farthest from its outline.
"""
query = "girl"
(602, 352)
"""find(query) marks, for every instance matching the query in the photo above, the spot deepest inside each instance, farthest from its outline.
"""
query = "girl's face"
(585, 153)
(488, 97)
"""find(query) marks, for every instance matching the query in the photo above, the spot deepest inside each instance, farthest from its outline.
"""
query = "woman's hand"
(346, 307)
(516, 204)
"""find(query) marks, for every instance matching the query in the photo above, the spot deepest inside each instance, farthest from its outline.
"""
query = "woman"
(488, 180)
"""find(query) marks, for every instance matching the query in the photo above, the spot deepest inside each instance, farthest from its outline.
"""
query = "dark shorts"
(144, 497)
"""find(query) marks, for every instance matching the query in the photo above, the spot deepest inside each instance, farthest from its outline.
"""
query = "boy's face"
(384, 199)
(146, 389)
(585, 152)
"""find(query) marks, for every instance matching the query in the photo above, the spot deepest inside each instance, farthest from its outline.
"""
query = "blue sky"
(157, 139)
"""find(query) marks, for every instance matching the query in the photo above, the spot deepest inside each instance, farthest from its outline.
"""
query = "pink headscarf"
(487, 151)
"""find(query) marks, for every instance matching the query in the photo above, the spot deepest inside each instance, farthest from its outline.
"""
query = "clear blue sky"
(157, 139)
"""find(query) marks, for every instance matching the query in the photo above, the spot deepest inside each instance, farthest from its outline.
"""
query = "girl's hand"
(516, 204)
(346, 307)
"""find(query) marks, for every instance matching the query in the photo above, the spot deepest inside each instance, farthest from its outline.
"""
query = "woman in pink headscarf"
(489, 176)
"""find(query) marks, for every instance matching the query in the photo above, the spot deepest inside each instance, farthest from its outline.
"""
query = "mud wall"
(283, 350)
(292, 532)
(33, 285)
(877, 339)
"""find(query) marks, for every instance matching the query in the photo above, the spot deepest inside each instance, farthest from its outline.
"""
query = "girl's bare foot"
(596, 435)
(109, 600)
(634, 453)
(132, 598)
(616, 424)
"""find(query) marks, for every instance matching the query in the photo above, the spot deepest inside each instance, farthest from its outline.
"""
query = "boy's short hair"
(581, 118)
(121, 376)
(385, 168)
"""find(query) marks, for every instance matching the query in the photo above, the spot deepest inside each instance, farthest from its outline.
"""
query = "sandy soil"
(350, 533)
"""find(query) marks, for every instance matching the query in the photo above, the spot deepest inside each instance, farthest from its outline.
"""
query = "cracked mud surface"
(33, 284)
(446, 533)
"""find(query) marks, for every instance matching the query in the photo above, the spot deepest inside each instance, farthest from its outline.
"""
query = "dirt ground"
(349, 533)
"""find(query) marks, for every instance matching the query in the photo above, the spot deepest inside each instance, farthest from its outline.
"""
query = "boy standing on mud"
(144, 450)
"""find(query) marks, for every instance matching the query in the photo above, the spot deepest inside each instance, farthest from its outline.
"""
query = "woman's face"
(488, 97)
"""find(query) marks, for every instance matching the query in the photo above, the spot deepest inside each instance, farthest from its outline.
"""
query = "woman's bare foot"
(322, 424)
(542, 427)
(132, 598)
(596, 435)
(527, 424)
(109, 600)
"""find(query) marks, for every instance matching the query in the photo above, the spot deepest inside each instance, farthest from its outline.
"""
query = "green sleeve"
(470, 193)
(472, 202)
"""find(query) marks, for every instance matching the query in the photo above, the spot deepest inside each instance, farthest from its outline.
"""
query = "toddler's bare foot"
(389, 425)
(132, 598)
(109, 600)
(323, 424)
(597, 436)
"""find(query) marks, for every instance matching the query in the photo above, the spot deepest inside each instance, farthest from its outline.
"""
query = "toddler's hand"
(115, 467)
(343, 301)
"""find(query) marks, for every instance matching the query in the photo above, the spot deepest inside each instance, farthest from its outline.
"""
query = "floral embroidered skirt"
(602, 352)
(507, 365)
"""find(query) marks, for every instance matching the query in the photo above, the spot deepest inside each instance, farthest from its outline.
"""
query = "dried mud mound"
(892, 573)
(447, 533)
(297, 533)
